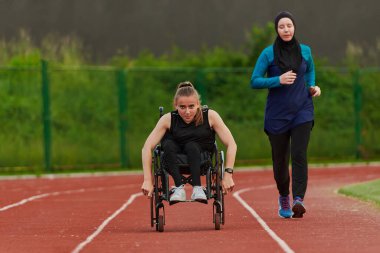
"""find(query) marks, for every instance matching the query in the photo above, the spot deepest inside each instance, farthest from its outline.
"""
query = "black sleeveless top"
(182, 133)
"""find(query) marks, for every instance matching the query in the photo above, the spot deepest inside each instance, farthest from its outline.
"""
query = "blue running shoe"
(284, 210)
(298, 207)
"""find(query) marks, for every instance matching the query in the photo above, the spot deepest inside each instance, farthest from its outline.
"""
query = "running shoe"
(199, 194)
(298, 207)
(284, 210)
(178, 195)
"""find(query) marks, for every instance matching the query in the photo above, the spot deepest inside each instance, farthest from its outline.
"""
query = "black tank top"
(182, 133)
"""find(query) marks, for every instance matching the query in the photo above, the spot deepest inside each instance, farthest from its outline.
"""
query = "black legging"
(298, 138)
(193, 152)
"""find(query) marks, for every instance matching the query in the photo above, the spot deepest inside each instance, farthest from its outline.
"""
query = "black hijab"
(287, 54)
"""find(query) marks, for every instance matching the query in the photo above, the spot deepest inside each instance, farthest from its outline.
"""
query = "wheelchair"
(212, 166)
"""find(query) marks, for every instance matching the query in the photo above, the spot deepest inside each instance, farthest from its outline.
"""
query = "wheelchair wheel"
(221, 190)
(217, 222)
(160, 223)
(157, 211)
(218, 206)
(152, 219)
(159, 206)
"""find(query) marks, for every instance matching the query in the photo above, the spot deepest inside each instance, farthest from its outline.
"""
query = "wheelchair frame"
(213, 169)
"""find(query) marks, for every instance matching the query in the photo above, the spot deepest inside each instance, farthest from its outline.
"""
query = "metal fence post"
(122, 94)
(357, 110)
(46, 115)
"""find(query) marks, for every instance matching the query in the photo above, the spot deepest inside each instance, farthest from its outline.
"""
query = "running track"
(108, 214)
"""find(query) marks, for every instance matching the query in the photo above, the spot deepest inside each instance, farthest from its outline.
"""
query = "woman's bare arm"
(153, 139)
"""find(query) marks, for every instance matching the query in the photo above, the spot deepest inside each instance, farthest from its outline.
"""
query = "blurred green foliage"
(84, 112)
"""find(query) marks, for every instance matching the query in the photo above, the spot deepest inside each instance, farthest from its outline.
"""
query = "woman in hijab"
(286, 69)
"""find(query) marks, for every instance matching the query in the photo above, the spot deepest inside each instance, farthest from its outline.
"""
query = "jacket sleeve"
(310, 72)
(258, 78)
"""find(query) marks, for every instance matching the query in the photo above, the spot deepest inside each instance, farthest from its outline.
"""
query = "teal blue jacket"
(266, 58)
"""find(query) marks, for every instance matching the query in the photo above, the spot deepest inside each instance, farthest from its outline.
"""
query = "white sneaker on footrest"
(179, 194)
(199, 194)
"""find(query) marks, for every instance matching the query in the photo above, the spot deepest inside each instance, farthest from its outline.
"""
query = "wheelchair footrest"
(189, 200)
(203, 201)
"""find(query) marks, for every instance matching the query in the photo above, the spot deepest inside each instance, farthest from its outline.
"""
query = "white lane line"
(44, 195)
(40, 196)
(105, 223)
(274, 236)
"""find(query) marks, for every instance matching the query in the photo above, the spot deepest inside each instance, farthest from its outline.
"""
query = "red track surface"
(74, 209)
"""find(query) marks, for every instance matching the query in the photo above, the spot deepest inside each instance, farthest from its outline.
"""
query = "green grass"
(369, 191)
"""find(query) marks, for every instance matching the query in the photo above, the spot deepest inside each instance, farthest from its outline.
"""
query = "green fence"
(55, 118)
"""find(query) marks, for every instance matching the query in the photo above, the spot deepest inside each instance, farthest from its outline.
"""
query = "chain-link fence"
(54, 118)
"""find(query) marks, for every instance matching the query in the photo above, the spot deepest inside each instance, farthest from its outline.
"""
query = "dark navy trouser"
(292, 143)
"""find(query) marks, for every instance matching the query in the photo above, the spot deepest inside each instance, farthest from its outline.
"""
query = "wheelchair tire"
(217, 221)
(223, 211)
(160, 223)
(219, 215)
(218, 206)
(152, 210)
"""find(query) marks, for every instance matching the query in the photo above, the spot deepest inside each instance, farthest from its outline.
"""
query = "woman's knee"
(170, 146)
(192, 148)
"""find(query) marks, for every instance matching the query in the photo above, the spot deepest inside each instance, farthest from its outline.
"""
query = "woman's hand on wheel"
(227, 183)
(147, 188)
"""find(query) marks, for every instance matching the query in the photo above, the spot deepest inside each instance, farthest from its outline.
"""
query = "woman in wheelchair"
(189, 130)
